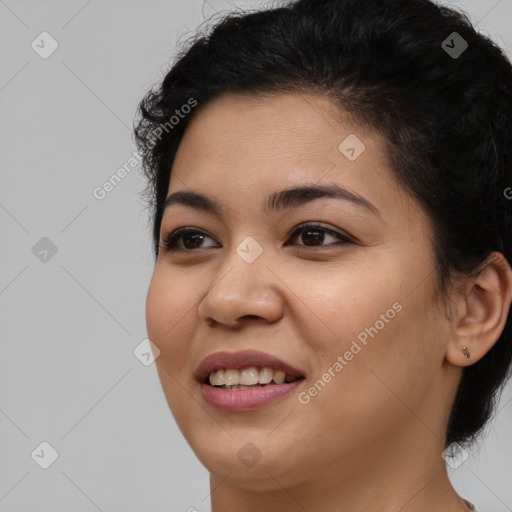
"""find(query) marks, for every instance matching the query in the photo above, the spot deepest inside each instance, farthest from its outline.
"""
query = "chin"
(251, 460)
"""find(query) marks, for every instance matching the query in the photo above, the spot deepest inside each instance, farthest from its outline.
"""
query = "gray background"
(69, 325)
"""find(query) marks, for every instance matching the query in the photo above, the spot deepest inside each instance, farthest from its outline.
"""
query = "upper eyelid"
(309, 224)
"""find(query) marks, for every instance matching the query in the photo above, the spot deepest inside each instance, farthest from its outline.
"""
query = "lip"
(239, 400)
(241, 360)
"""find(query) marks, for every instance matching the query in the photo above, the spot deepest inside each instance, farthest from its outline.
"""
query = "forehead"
(291, 126)
(276, 136)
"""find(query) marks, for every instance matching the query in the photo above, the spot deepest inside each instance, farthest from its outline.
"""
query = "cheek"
(337, 306)
(379, 330)
(170, 326)
(170, 310)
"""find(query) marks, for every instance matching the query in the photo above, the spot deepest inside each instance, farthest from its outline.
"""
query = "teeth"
(248, 377)
(217, 378)
(279, 377)
(231, 377)
(266, 375)
(240, 386)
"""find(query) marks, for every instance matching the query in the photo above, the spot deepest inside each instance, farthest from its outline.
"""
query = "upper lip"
(241, 360)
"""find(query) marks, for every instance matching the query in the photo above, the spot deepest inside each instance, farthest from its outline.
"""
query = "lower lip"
(246, 399)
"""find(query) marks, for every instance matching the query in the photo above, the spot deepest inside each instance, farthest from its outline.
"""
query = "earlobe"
(484, 309)
(463, 354)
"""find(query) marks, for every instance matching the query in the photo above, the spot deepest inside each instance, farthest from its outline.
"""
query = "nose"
(242, 291)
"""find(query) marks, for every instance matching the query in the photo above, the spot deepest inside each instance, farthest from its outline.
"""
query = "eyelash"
(170, 242)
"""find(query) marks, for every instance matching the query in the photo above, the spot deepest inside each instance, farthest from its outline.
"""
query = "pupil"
(308, 234)
(187, 236)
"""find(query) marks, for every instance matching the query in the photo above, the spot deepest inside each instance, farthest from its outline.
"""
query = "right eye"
(184, 239)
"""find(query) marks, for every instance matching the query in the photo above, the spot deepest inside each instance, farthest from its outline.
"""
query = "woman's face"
(357, 319)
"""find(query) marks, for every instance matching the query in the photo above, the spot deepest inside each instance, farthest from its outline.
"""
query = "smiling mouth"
(248, 378)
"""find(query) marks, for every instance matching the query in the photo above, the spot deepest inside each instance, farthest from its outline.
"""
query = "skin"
(371, 439)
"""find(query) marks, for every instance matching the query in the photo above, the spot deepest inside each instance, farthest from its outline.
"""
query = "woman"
(332, 232)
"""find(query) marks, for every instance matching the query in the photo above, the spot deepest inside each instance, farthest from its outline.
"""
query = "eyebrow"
(288, 198)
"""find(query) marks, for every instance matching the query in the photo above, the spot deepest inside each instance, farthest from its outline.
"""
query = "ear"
(482, 311)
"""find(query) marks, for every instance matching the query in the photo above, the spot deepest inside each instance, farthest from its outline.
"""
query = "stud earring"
(465, 352)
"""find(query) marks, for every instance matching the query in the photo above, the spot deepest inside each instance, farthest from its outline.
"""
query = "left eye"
(312, 235)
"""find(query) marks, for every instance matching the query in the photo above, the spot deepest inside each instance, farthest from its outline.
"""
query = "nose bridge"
(243, 287)
(246, 256)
